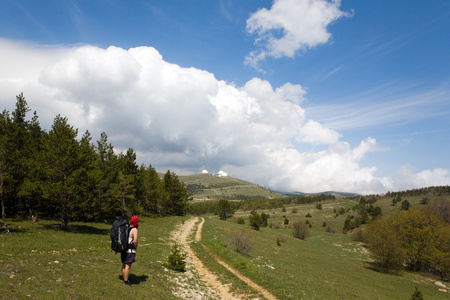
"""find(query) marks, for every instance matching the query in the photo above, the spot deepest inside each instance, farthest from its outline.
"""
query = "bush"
(385, 247)
(426, 240)
(264, 218)
(331, 230)
(424, 201)
(442, 209)
(282, 238)
(405, 205)
(240, 221)
(176, 260)
(324, 224)
(255, 220)
(358, 235)
(224, 209)
(294, 210)
(286, 221)
(300, 230)
(308, 215)
(278, 241)
(417, 295)
(241, 242)
(319, 206)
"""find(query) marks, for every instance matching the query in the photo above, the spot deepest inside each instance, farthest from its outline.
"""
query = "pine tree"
(5, 124)
(150, 190)
(104, 176)
(177, 195)
(17, 154)
(62, 169)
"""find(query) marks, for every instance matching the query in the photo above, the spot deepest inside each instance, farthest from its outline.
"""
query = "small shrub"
(282, 238)
(405, 205)
(294, 210)
(442, 209)
(286, 221)
(424, 201)
(224, 209)
(308, 215)
(417, 295)
(283, 209)
(319, 206)
(324, 224)
(176, 260)
(396, 200)
(241, 242)
(240, 221)
(300, 230)
(264, 218)
(278, 241)
(331, 230)
(358, 235)
(255, 220)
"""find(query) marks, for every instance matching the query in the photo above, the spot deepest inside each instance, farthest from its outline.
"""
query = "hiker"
(128, 256)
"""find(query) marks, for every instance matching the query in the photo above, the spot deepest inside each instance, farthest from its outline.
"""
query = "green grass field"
(39, 261)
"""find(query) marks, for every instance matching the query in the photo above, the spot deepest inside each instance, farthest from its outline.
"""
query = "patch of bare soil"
(198, 282)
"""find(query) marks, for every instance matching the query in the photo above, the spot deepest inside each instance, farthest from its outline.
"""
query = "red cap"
(134, 221)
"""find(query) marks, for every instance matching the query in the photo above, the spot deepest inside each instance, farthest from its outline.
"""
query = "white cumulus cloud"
(186, 120)
(291, 25)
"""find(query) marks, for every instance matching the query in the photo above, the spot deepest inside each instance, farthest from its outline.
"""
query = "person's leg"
(126, 271)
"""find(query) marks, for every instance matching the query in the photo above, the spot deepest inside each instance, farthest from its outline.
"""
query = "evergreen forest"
(58, 175)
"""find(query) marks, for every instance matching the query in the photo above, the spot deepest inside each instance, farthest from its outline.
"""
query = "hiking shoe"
(127, 283)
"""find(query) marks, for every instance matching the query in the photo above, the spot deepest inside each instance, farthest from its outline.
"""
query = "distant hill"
(336, 194)
(212, 186)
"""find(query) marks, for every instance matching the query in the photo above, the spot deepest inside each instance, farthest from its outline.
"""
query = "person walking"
(128, 256)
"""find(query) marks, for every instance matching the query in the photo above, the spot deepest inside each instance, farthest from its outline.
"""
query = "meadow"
(40, 261)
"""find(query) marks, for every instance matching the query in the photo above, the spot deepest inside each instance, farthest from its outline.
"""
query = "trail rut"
(215, 289)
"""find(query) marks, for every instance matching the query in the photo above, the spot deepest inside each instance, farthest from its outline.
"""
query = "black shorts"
(127, 258)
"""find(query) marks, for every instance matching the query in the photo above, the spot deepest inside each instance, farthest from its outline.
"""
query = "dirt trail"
(181, 236)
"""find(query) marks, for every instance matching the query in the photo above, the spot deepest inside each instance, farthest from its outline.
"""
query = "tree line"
(215, 206)
(56, 175)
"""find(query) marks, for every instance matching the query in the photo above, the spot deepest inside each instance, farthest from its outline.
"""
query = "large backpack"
(119, 234)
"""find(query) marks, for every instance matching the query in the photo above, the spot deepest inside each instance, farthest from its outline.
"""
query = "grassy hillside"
(39, 261)
(209, 186)
(324, 266)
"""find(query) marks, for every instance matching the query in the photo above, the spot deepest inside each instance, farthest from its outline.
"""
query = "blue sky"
(291, 94)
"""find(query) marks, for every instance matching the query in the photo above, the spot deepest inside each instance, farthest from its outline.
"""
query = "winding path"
(181, 236)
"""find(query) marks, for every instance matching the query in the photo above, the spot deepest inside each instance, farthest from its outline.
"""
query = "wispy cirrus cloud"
(390, 104)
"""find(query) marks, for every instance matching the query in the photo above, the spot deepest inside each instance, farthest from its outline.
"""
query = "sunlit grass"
(324, 266)
(38, 260)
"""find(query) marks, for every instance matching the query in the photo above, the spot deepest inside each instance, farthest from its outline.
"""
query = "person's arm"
(134, 235)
